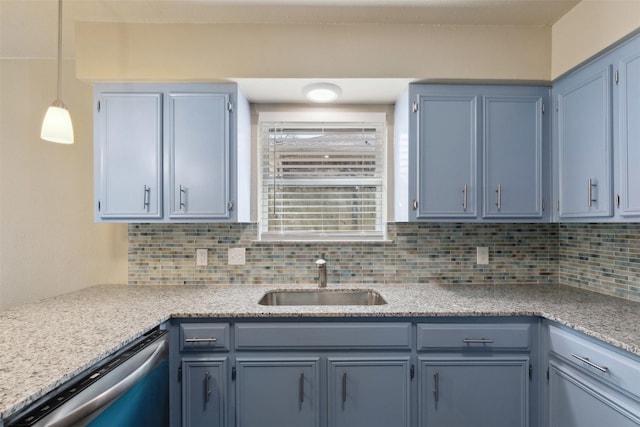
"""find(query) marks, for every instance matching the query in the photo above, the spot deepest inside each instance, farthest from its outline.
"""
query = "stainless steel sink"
(322, 297)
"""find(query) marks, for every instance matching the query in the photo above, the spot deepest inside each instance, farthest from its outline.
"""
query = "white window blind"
(322, 180)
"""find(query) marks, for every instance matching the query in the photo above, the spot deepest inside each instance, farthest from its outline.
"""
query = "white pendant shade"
(56, 126)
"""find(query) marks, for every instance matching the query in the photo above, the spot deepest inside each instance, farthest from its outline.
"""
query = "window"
(322, 180)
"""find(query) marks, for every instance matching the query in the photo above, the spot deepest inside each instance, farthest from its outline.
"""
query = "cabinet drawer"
(487, 336)
(204, 337)
(606, 364)
(321, 335)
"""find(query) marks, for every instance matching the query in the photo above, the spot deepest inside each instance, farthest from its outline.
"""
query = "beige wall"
(50, 244)
(590, 27)
(107, 51)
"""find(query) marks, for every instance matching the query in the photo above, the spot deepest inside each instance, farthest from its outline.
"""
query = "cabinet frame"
(237, 154)
(430, 389)
(221, 369)
(149, 204)
(593, 190)
(413, 203)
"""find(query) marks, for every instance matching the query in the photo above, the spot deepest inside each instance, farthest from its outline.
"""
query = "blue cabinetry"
(424, 372)
(473, 152)
(513, 155)
(198, 130)
(204, 392)
(447, 155)
(627, 132)
(369, 391)
(278, 392)
(589, 384)
(128, 134)
(171, 152)
(476, 374)
(597, 138)
(584, 143)
(476, 391)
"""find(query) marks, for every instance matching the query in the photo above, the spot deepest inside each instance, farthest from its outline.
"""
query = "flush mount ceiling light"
(56, 126)
(322, 92)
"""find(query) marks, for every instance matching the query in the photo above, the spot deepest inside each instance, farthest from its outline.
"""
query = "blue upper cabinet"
(128, 133)
(584, 143)
(198, 130)
(627, 133)
(513, 155)
(171, 152)
(472, 153)
(447, 156)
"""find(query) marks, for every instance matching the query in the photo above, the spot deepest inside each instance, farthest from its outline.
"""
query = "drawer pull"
(201, 339)
(436, 386)
(590, 363)
(477, 341)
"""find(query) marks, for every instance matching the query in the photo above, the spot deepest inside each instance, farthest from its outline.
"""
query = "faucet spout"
(322, 271)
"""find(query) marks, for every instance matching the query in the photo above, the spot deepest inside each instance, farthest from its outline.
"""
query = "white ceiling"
(26, 27)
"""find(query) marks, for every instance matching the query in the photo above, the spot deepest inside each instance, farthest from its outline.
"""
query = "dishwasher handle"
(93, 405)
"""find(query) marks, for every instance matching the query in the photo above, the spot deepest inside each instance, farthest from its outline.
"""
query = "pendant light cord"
(59, 97)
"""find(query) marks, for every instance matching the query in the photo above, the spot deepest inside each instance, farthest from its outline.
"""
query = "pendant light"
(56, 126)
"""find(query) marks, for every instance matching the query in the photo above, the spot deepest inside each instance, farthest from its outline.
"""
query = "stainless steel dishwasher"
(130, 388)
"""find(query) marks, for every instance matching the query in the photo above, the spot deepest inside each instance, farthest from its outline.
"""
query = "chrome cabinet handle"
(207, 386)
(201, 339)
(590, 363)
(499, 202)
(436, 386)
(344, 388)
(146, 197)
(182, 192)
(464, 197)
(477, 341)
(301, 388)
(590, 192)
(415, 205)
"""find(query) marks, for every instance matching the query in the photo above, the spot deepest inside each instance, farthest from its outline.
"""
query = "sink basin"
(323, 297)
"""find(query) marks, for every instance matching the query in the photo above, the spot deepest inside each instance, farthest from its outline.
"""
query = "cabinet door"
(277, 392)
(512, 157)
(576, 402)
(129, 132)
(629, 138)
(204, 393)
(370, 392)
(473, 392)
(198, 136)
(584, 143)
(447, 156)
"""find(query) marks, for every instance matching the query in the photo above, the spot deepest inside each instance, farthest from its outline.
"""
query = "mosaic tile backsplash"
(415, 253)
(601, 257)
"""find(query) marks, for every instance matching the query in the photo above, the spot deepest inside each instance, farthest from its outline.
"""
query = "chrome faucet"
(322, 271)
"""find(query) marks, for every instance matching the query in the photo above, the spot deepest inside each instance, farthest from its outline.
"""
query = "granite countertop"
(46, 343)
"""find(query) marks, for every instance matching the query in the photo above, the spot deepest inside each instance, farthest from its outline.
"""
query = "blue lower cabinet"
(369, 392)
(277, 392)
(478, 391)
(204, 392)
(577, 401)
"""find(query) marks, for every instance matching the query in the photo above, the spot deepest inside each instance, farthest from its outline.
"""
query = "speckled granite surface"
(44, 344)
